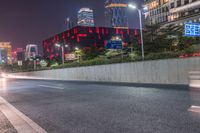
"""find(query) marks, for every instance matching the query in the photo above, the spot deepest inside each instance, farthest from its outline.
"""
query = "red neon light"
(135, 32)
(63, 35)
(78, 39)
(97, 30)
(90, 30)
(105, 43)
(128, 31)
(117, 31)
(103, 31)
(82, 35)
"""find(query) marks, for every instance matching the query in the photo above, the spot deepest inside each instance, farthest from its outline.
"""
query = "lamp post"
(141, 32)
(63, 51)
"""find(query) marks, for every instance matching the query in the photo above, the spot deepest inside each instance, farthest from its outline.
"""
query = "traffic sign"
(192, 29)
(114, 44)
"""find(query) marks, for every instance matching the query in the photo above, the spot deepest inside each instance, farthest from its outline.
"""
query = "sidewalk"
(5, 125)
(13, 121)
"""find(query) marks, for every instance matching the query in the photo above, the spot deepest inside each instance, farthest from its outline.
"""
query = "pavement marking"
(195, 109)
(53, 87)
(21, 122)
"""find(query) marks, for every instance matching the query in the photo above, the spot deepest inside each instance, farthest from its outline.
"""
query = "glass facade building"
(116, 13)
(166, 12)
(85, 17)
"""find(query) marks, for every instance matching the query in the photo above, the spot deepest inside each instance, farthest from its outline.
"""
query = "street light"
(76, 48)
(63, 54)
(141, 32)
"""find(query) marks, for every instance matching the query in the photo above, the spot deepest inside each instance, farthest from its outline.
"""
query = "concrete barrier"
(169, 71)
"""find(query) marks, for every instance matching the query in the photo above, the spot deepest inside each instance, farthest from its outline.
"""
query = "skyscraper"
(6, 52)
(31, 51)
(116, 13)
(172, 12)
(85, 17)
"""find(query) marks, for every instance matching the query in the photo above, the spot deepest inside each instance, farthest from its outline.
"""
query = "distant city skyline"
(23, 22)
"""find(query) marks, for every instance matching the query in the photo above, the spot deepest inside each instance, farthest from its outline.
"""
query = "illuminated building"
(83, 37)
(116, 13)
(85, 17)
(31, 51)
(167, 12)
(6, 52)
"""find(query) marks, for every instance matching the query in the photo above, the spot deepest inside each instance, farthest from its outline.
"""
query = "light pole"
(63, 51)
(141, 32)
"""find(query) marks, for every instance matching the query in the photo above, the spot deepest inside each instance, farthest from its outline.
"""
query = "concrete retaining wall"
(170, 71)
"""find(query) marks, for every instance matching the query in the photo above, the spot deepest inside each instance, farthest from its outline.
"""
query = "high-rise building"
(165, 12)
(69, 23)
(6, 52)
(85, 17)
(31, 51)
(116, 13)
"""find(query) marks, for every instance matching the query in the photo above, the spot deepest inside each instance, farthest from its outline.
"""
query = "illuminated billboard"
(192, 29)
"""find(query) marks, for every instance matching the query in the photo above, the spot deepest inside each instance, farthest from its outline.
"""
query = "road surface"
(85, 107)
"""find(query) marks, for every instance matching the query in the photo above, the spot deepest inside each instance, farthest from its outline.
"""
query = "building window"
(178, 3)
(172, 5)
(186, 2)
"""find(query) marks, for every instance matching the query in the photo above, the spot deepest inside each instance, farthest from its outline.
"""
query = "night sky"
(31, 21)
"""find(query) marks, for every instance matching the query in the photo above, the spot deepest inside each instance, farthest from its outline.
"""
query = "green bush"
(163, 55)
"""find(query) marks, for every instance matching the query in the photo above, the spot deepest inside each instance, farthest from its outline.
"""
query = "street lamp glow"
(145, 8)
(66, 46)
(57, 45)
(132, 6)
(76, 48)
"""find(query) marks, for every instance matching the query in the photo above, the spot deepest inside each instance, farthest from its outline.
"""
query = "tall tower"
(116, 13)
(31, 51)
(85, 17)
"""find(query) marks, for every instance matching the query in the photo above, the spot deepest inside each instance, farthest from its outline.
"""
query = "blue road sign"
(114, 44)
(192, 29)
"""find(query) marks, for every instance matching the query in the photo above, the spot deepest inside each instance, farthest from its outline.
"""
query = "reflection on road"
(195, 79)
(3, 83)
(195, 109)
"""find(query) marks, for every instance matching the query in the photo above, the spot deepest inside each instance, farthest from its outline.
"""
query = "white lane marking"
(53, 87)
(195, 109)
(21, 122)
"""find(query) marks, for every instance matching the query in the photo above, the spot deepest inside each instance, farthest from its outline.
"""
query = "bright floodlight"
(132, 6)
(145, 8)
(57, 45)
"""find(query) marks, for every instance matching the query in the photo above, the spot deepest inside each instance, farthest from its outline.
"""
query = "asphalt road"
(78, 107)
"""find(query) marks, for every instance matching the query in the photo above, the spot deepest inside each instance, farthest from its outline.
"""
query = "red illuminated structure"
(82, 37)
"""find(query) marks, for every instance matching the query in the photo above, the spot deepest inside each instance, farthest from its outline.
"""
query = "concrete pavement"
(85, 107)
